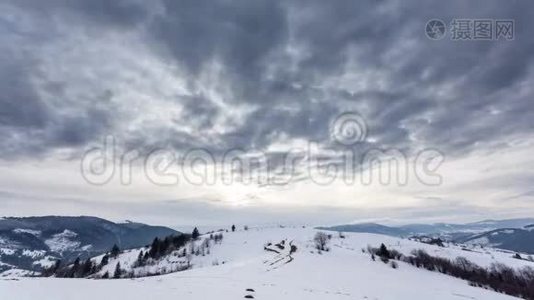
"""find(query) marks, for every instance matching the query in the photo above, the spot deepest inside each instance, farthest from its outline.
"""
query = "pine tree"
(180, 240)
(76, 262)
(57, 265)
(87, 268)
(104, 261)
(140, 258)
(383, 251)
(195, 234)
(75, 268)
(115, 251)
(165, 246)
(154, 248)
(118, 271)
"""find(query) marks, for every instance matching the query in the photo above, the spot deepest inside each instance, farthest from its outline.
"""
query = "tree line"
(498, 277)
(160, 247)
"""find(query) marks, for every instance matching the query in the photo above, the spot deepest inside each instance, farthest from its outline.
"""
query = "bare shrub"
(321, 241)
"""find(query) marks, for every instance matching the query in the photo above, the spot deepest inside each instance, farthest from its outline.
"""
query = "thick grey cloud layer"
(275, 69)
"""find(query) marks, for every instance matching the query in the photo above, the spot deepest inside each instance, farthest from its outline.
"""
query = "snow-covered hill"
(251, 263)
(27, 245)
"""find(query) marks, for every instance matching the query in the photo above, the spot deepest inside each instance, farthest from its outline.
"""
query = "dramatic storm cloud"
(264, 76)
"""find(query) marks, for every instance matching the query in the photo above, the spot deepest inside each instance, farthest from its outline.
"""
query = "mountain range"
(509, 234)
(32, 243)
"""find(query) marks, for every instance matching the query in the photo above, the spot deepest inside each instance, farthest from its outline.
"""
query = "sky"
(193, 112)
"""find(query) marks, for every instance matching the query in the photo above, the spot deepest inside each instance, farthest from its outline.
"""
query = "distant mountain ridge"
(369, 228)
(509, 234)
(515, 239)
(31, 243)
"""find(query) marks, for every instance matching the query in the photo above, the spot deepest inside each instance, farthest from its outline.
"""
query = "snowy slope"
(33, 243)
(342, 273)
(247, 245)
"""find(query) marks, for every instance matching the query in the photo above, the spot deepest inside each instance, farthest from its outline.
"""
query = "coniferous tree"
(180, 240)
(154, 248)
(115, 250)
(195, 234)
(233, 228)
(118, 271)
(140, 258)
(383, 251)
(87, 268)
(104, 261)
(57, 265)
(75, 268)
(165, 246)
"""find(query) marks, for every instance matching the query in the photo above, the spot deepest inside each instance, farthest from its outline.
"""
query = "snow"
(481, 241)
(45, 262)
(7, 243)
(342, 273)
(87, 247)
(30, 231)
(16, 273)
(62, 242)
(505, 231)
(6, 265)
